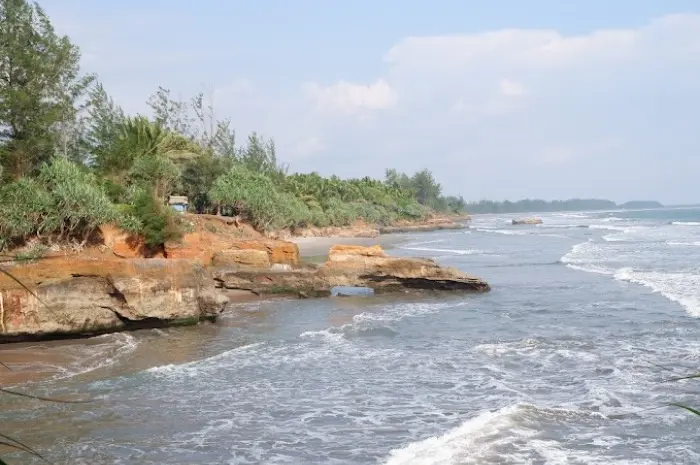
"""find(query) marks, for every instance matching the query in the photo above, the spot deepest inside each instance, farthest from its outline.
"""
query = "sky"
(500, 99)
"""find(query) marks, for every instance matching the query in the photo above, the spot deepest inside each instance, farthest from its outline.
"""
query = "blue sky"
(500, 99)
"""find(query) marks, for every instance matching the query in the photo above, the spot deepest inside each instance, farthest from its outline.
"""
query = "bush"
(64, 202)
(80, 203)
(339, 213)
(255, 197)
(156, 222)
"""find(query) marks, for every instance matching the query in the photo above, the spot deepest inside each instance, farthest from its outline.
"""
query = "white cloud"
(347, 98)
(511, 88)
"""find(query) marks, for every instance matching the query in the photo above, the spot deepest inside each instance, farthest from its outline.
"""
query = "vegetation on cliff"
(71, 159)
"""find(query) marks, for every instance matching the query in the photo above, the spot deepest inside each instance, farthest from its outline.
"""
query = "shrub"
(255, 197)
(80, 204)
(156, 222)
(339, 213)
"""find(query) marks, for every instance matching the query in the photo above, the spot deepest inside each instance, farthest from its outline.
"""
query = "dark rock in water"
(522, 221)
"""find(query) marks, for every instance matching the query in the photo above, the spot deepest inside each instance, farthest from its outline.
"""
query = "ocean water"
(566, 361)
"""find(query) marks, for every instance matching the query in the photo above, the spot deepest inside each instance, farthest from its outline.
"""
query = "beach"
(565, 361)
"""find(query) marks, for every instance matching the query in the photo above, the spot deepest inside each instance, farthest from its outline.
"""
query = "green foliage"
(255, 197)
(64, 201)
(40, 87)
(198, 177)
(156, 171)
(156, 222)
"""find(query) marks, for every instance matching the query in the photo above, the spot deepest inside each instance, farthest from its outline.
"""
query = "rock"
(200, 246)
(79, 297)
(339, 251)
(242, 258)
(282, 252)
(521, 221)
(123, 244)
(354, 266)
(383, 272)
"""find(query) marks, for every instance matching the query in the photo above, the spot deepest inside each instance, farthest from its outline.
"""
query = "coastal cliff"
(110, 287)
(70, 296)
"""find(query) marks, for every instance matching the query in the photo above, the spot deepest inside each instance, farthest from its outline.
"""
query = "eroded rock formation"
(356, 266)
(68, 296)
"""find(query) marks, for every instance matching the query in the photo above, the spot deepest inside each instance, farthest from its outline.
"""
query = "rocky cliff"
(61, 297)
(112, 288)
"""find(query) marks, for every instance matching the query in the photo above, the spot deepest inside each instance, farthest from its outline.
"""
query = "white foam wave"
(683, 288)
(611, 219)
(686, 223)
(683, 243)
(505, 232)
(450, 251)
(609, 227)
(96, 356)
(414, 244)
(588, 256)
(308, 349)
(373, 321)
(488, 438)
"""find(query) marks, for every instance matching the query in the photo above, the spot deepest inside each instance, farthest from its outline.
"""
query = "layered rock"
(202, 246)
(353, 266)
(522, 221)
(69, 296)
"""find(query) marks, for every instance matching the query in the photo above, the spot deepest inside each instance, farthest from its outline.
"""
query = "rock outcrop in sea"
(521, 221)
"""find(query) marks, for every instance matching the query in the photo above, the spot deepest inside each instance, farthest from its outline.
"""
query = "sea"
(574, 357)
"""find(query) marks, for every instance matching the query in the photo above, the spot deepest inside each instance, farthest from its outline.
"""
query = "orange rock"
(373, 251)
(200, 246)
(122, 243)
(249, 258)
(278, 251)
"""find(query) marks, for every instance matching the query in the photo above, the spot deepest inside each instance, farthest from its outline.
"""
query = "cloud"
(547, 105)
(348, 98)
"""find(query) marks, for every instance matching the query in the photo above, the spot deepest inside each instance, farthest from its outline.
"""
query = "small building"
(178, 202)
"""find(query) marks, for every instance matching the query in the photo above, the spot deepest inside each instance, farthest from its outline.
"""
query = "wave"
(306, 347)
(609, 227)
(505, 232)
(374, 323)
(685, 223)
(451, 251)
(682, 243)
(682, 288)
(489, 438)
(103, 351)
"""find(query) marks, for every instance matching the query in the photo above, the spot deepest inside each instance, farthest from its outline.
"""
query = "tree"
(106, 119)
(40, 84)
